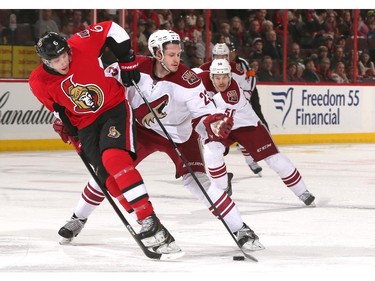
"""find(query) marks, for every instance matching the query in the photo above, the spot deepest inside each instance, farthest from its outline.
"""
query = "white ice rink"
(39, 191)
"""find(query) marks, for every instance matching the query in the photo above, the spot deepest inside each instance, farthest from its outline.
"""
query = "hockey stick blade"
(182, 157)
(146, 251)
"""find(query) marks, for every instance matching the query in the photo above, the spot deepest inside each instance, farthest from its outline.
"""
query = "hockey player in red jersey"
(247, 81)
(71, 82)
(177, 95)
(247, 131)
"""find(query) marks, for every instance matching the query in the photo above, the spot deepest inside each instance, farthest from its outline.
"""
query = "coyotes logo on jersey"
(87, 98)
(145, 117)
(190, 77)
(232, 96)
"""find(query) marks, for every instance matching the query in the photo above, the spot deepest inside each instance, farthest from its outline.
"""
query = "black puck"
(238, 258)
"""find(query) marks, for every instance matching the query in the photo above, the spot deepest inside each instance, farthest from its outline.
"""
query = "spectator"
(295, 54)
(165, 16)
(45, 24)
(339, 74)
(257, 49)
(181, 29)
(189, 56)
(271, 47)
(201, 46)
(266, 73)
(252, 33)
(267, 25)
(141, 37)
(150, 28)
(331, 24)
(254, 64)
(371, 32)
(191, 18)
(300, 69)
(237, 31)
(292, 71)
(260, 16)
(322, 53)
(338, 56)
(150, 15)
(362, 27)
(5, 35)
(224, 35)
(324, 70)
(79, 23)
(66, 29)
(365, 65)
(199, 28)
(345, 26)
(310, 74)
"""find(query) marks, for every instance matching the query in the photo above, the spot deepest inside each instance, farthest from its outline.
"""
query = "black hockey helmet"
(51, 46)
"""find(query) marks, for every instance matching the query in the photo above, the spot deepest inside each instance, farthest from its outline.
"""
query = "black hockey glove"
(129, 69)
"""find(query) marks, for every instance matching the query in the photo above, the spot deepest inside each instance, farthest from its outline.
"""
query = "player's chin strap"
(187, 165)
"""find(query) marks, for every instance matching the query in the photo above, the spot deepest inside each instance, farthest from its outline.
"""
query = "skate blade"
(172, 256)
(260, 174)
(65, 241)
(312, 205)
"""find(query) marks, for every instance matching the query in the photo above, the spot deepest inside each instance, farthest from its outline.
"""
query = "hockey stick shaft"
(77, 147)
(186, 163)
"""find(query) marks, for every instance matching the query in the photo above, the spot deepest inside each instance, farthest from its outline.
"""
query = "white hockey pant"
(288, 173)
(214, 159)
(220, 199)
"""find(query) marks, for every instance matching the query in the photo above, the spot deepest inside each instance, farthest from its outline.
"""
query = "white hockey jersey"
(232, 102)
(179, 100)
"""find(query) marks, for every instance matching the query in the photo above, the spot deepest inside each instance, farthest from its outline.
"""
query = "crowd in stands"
(319, 41)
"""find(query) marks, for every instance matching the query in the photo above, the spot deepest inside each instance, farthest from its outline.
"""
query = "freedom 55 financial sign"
(333, 109)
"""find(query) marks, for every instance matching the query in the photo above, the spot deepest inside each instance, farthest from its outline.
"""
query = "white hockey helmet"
(220, 66)
(161, 37)
(220, 49)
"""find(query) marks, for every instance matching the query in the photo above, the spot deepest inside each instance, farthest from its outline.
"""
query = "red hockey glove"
(218, 126)
(59, 128)
(129, 69)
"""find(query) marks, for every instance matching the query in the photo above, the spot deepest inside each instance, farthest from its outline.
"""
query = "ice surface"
(39, 191)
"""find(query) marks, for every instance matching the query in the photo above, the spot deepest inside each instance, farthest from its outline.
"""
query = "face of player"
(60, 64)
(221, 82)
(172, 56)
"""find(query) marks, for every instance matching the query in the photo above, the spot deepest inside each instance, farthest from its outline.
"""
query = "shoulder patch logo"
(232, 96)
(190, 77)
(113, 133)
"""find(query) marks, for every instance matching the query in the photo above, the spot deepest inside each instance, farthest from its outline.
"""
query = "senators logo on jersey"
(113, 133)
(145, 117)
(87, 98)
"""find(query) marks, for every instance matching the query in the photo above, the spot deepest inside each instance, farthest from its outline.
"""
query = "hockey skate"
(71, 229)
(229, 188)
(256, 168)
(248, 240)
(157, 238)
(307, 198)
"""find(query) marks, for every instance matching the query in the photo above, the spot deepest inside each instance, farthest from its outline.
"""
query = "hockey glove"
(218, 126)
(129, 69)
(59, 128)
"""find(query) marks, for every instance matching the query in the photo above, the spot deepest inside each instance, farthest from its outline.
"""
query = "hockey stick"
(147, 252)
(186, 163)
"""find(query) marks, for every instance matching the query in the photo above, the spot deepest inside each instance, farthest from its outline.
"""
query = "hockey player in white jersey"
(247, 131)
(247, 81)
(178, 97)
